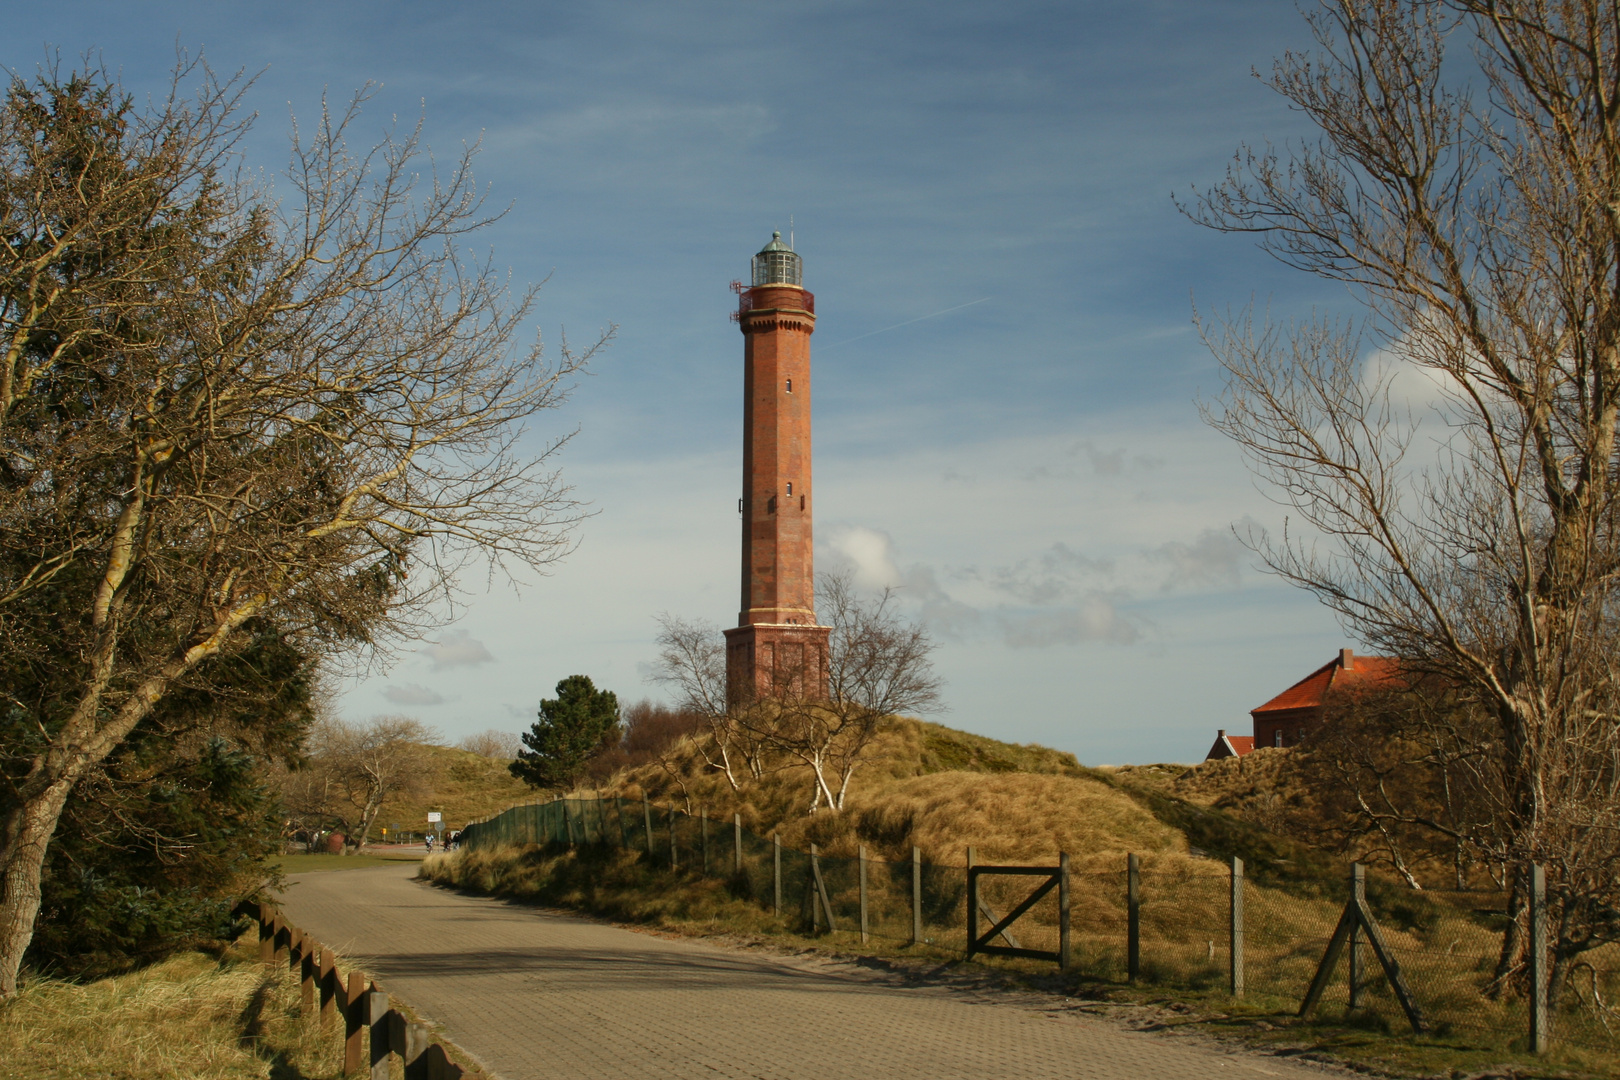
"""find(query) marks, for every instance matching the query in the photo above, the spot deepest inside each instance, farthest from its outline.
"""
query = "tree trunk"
(368, 815)
(23, 860)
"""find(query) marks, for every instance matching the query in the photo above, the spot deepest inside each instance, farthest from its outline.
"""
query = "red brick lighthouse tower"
(777, 648)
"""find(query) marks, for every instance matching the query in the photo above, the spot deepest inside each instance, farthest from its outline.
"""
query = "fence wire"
(1447, 952)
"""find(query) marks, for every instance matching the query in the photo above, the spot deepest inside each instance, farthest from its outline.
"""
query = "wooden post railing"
(374, 1029)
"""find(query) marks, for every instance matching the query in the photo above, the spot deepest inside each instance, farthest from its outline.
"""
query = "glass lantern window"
(778, 268)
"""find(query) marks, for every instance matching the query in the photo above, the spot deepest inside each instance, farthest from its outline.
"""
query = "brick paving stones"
(539, 995)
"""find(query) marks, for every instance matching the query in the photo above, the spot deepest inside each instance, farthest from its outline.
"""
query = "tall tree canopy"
(571, 728)
(222, 408)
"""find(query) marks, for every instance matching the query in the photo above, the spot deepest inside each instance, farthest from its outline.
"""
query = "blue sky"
(1023, 457)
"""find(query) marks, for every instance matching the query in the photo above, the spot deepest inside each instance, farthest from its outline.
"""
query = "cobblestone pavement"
(542, 995)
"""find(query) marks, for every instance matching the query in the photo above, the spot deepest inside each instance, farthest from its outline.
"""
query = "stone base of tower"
(766, 660)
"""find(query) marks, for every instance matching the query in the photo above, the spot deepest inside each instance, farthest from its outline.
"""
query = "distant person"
(430, 844)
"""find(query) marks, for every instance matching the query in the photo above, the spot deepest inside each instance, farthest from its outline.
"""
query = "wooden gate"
(1055, 877)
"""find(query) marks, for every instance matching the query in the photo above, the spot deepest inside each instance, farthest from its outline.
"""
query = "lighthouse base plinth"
(776, 660)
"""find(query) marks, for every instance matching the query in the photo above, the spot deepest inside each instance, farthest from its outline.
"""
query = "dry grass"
(465, 787)
(195, 1015)
(930, 786)
(1013, 818)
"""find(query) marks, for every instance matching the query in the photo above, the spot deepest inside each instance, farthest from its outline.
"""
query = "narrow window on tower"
(801, 502)
(790, 386)
(790, 487)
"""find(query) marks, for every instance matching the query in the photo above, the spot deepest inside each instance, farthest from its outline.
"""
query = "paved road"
(536, 994)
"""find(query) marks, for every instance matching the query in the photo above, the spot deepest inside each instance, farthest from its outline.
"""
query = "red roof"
(1230, 746)
(1311, 691)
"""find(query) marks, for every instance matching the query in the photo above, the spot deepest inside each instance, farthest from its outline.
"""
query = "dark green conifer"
(571, 728)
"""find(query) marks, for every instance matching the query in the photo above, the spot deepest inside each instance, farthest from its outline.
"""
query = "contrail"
(908, 322)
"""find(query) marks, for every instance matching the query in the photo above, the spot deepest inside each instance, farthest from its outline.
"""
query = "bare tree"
(1480, 228)
(1395, 776)
(692, 661)
(493, 743)
(219, 408)
(384, 758)
(649, 732)
(878, 667)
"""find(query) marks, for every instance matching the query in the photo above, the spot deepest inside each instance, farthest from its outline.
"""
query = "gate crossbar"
(1057, 877)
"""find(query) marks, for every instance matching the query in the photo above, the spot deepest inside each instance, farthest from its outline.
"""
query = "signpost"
(436, 819)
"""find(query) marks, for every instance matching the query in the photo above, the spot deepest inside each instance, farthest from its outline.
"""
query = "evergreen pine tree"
(571, 728)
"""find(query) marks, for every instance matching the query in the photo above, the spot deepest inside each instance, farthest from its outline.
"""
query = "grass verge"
(208, 1016)
(625, 887)
(304, 864)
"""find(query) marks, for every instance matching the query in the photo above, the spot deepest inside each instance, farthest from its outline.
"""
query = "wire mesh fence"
(1166, 919)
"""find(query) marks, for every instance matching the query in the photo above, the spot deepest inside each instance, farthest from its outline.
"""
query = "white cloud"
(413, 694)
(457, 649)
(868, 555)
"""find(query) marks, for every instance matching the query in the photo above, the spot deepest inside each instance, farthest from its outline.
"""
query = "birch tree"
(878, 667)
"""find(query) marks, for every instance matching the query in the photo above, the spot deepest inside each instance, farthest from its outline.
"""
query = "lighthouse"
(777, 648)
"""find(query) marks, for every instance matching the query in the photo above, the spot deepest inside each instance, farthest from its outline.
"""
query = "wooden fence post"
(568, 822)
(282, 938)
(646, 813)
(972, 906)
(353, 1022)
(916, 895)
(328, 987)
(1358, 894)
(309, 967)
(864, 933)
(1537, 950)
(267, 934)
(1234, 949)
(1063, 911)
(674, 862)
(736, 844)
(624, 830)
(376, 1005)
(815, 905)
(1133, 916)
(703, 836)
(776, 851)
(418, 1037)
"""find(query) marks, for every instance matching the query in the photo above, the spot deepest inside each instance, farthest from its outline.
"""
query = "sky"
(1007, 374)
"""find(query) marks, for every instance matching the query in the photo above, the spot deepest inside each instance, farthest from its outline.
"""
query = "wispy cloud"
(1214, 559)
(1097, 617)
(457, 649)
(413, 694)
(898, 325)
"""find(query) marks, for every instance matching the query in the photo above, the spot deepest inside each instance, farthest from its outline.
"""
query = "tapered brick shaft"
(777, 647)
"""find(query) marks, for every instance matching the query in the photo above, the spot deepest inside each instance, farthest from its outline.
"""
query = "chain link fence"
(1162, 918)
